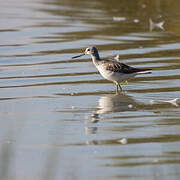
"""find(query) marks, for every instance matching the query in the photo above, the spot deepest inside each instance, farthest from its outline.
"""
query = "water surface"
(60, 119)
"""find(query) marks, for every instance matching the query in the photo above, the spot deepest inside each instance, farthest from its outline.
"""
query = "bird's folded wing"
(120, 67)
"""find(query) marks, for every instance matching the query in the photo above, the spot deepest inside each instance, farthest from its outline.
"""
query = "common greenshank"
(112, 69)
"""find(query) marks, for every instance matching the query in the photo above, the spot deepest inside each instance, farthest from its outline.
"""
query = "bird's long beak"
(78, 56)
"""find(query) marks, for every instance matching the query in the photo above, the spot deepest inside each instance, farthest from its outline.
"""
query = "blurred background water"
(60, 119)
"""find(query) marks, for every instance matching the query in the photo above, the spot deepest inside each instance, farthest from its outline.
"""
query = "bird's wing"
(116, 66)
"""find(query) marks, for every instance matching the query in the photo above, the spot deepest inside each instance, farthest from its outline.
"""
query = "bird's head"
(90, 50)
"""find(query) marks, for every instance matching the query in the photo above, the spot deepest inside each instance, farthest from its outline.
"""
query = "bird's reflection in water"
(116, 103)
(108, 104)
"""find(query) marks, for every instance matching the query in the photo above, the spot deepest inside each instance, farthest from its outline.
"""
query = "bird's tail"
(144, 71)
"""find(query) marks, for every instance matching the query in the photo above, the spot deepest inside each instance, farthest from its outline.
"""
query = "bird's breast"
(105, 73)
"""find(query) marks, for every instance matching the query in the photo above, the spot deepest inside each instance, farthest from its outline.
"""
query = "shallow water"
(60, 119)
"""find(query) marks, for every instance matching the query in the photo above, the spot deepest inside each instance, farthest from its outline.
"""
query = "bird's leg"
(119, 87)
(116, 84)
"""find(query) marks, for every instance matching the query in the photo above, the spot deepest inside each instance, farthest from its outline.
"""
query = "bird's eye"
(88, 49)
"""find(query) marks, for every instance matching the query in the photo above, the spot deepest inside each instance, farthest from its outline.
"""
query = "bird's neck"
(95, 58)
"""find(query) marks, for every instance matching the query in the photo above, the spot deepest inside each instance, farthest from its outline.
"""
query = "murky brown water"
(60, 119)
